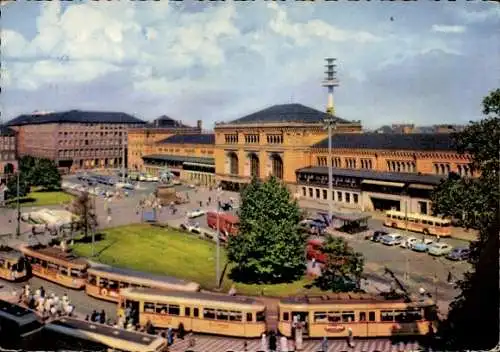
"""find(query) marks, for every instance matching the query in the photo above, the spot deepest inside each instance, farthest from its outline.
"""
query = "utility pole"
(407, 273)
(18, 205)
(217, 251)
(124, 139)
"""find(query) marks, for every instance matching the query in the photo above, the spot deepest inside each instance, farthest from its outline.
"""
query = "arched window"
(459, 170)
(443, 171)
(436, 168)
(254, 165)
(277, 166)
(233, 163)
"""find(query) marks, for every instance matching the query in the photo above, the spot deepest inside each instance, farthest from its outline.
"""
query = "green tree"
(83, 208)
(24, 188)
(473, 321)
(46, 175)
(343, 268)
(270, 247)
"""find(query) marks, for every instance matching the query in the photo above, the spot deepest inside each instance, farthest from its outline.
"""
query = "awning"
(384, 183)
(198, 164)
(417, 186)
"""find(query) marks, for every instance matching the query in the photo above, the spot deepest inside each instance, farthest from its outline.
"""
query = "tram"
(362, 314)
(196, 311)
(105, 282)
(12, 265)
(53, 264)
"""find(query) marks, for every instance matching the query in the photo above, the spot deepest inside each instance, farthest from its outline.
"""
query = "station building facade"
(8, 151)
(371, 171)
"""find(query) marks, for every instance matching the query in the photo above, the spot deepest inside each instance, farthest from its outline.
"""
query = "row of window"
(323, 194)
(420, 221)
(91, 152)
(90, 134)
(7, 156)
(7, 140)
(350, 163)
(54, 267)
(231, 138)
(401, 166)
(111, 284)
(275, 139)
(401, 316)
(207, 313)
(82, 142)
(252, 138)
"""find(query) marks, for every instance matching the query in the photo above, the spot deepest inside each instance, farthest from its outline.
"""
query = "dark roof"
(185, 159)
(412, 141)
(195, 138)
(375, 175)
(340, 298)
(10, 253)
(6, 131)
(167, 121)
(285, 113)
(106, 330)
(22, 316)
(139, 274)
(75, 116)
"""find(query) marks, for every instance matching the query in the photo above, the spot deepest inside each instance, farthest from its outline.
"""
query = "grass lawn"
(38, 198)
(175, 253)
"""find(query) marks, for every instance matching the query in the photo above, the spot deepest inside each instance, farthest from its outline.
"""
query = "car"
(191, 227)
(376, 236)
(196, 213)
(392, 239)
(439, 248)
(459, 253)
(410, 241)
(420, 246)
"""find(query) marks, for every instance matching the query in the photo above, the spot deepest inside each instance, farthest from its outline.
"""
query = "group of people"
(270, 343)
(47, 305)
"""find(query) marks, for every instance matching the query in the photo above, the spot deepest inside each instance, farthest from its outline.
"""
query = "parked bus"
(19, 327)
(228, 224)
(366, 315)
(12, 265)
(197, 311)
(426, 224)
(80, 335)
(105, 282)
(51, 263)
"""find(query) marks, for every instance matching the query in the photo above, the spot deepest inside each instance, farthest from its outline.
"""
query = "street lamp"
(217, 251)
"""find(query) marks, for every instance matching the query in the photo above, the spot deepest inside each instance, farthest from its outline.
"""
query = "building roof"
(189, 139)
(6, 131)
(184, 159)
(375, 175)
(286, 113)
(412, 141)
(75, 116)
(168, 122)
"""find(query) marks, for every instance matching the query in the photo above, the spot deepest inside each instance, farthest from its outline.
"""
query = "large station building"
(371, 171)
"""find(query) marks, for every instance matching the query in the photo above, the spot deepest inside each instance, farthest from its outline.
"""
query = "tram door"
(301, 319)
(134, 310)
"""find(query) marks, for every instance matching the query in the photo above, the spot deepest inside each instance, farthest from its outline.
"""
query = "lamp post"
(18, 206)
(123, 154)
(330, 124)
(217, 251)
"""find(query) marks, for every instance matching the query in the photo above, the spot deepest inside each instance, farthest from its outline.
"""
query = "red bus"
(228, 223)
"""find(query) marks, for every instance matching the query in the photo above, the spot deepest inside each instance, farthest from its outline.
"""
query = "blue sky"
(432, 63)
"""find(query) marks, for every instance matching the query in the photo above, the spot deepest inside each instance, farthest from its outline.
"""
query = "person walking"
(350, 338)
(263, 342)
(324, 344)
(170, 336)
(272, 342)
(102, 317)
(283, 344)
(181, 333)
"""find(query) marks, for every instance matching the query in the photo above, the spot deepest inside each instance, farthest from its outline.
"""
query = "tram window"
(371, 316)
(222, 315)
(319, 316)
(445, 224)
(44, 264)
(135, 285)
(103, 282)
(53, 266)
(161, 308)
(208, 313)
(113, 285)
(286, 316)
(196, 312)
(425, 222)
(261, 316)
(92, 280)
(76, 273)
(400, 316)
(387, 315)
(414, 315)
(63, 270)
(187, 311)
(235, 316)
(362, 316)
(347, 317)
(249, 317)
(123, 284)
(149, 307)
(174, 309)
(334, 316)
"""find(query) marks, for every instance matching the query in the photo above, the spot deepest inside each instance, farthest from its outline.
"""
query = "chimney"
(198, 124)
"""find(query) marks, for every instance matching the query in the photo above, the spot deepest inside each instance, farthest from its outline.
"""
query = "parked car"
(191, 227)
(376, 236)
(420, 246)
(459, 253)
(439, 248)
(410, 241)
(196, 213)
(392, 239)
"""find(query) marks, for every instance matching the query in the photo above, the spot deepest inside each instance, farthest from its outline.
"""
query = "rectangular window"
(123, 284)
(348, 197)
(222, 315)
(348, 317)
(325, 194)
(149, 307)
(63, 270)
(310, 192)
(339, 196)
(261, 316)
(334, 317)
(187, 311)
(53, 266)
(371, 316)
(161, 308)
(196, 312)
(304, 193)
(103, 282)
(208, 313)
(317, 193)
(362, 316)
(92, 280)
(113, 285)
(387, 315)
(286, 316)
(320, 317)
(76, 273)
(249, 317)
(355, 198)
(235, 316)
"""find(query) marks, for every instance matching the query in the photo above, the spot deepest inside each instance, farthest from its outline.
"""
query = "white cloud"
(441, 28)
(491, 13)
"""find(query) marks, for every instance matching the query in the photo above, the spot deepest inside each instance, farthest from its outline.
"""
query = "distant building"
(411, 128)
(8, 154)
(75, 139)
(141, 140)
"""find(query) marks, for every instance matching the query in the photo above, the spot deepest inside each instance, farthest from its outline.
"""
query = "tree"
(83, 208)
(24, 188)
(270, 246)
(40, 172)
(343, 268)
(473, 321)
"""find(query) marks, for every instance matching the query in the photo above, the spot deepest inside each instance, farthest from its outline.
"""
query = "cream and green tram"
(362, 315)
(197, 311)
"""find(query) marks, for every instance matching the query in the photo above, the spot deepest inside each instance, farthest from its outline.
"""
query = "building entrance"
(381, 204)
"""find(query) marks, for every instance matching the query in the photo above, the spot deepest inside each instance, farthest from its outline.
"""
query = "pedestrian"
(181, 332)
(87, 317)
(102, 317)
(201, 203)
(232, 290)
(283, 344)
(245, 346)
(272, 342)
(170, 336)
(263, 342)
(192, 340)
(324, 344)
(42, 292)
(438, 238)
(93, 316)
(209, 199)
(350, 338)
(313, 263)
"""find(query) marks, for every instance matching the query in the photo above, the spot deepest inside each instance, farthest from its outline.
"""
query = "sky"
(422, 62)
